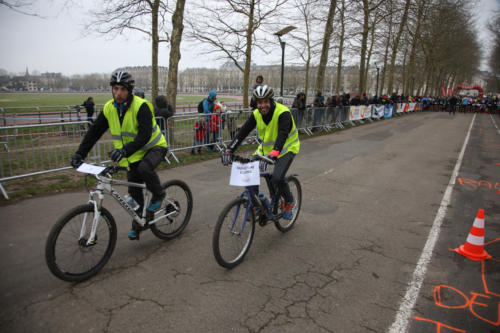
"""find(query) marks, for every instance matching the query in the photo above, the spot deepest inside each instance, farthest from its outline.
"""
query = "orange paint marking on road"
(487, 297)
(439, 325)
(477, 303)
(438, 301)
(483, 270)
(467, 182)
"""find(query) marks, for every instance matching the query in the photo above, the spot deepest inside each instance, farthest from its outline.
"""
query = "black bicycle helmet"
(122, 78)
(262, 92)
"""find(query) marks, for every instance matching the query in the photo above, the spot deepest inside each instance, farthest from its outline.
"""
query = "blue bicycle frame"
(252, 198)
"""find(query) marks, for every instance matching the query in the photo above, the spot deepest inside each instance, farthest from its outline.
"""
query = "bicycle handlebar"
(112, 169)
(244, 160)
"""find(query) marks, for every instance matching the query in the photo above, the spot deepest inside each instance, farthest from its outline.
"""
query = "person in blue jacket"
(208, 108)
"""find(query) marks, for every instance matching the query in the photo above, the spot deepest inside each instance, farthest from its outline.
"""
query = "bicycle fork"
(97, 214)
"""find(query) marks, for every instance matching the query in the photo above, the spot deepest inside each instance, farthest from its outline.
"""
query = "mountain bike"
(83, 239)
(235, 227)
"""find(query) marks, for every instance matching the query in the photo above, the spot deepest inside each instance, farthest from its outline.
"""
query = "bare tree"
(175, 52)
(229, 28)
(421, 8)
(20, 6)
(445, 59)
(388, 6)
(369, 10)
(494, 60)
(304, 43)
(341, 46)
(320, 76)
(402, 25)
(145, 16)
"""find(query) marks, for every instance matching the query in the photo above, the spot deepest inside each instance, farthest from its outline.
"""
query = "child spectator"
(200, 129)
(215, 123)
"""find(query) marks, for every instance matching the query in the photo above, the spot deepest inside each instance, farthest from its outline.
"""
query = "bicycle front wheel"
(68, 252)
(176, 210)
(233, 233)
(283, 224)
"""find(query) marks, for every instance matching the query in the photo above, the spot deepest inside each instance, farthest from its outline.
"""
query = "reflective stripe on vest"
(268, 133)
(127, 131)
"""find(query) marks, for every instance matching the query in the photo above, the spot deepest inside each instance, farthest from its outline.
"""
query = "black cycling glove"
(76, 160)
(117, 154)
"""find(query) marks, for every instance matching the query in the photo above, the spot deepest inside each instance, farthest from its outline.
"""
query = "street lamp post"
(376, 88)
(282, 43)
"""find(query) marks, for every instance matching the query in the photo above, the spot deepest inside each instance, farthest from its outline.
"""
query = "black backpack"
(200, 106)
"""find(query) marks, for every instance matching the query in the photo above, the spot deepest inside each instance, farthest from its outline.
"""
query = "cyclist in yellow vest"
(137, 139)
(279, 141)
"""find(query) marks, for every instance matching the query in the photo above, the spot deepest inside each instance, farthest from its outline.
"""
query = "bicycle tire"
(225, 219)
(175, 223)
(66, 233)
(282, 224)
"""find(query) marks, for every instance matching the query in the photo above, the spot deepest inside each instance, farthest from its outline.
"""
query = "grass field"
(30, 100)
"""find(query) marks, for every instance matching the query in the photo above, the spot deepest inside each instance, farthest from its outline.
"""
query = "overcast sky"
(55, 43)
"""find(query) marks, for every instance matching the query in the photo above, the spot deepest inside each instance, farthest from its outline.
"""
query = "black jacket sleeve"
(144, 131)
(94, 133)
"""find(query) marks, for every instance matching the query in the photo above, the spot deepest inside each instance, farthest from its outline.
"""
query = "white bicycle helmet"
(262, 92)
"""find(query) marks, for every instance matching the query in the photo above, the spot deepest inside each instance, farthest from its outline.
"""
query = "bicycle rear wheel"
(233, 234)
(285, 225)
(68, 253)
(176, 208)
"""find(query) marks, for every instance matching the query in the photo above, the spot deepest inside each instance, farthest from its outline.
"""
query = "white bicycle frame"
(105, 185)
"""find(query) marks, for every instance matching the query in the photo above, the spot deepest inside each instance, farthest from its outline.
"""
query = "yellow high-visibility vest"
(127, 131)
(268, 133)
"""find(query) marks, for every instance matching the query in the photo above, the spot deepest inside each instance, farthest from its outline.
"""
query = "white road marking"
(403, 316)
(495, 124)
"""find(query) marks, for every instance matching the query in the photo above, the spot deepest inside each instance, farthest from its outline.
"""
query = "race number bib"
(245, 174)
(90, 169)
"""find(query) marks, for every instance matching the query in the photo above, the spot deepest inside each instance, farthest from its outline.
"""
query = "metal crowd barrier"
(12, 116)
(37, 149)
(28, 150)
(219, 130)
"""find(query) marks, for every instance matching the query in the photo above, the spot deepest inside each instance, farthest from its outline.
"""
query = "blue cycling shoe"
(156, 203)
(133, 234)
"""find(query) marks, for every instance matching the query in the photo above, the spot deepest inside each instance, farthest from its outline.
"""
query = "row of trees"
(433, 41)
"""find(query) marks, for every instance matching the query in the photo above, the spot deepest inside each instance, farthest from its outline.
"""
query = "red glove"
(274, 153)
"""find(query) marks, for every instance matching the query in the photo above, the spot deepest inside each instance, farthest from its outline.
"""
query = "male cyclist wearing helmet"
(279, 141)
(137, 139)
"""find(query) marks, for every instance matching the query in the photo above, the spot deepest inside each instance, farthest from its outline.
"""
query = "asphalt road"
(371, 196)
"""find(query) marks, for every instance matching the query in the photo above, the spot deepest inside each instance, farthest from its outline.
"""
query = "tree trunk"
(320, 77)
(405, 87)
(341, 48)
(364, 41)
(395, 47)
(154, 51)
(248, 53)
(386, 53)
(175, 52)
(308, 67)
(416, 37)
(368, 57)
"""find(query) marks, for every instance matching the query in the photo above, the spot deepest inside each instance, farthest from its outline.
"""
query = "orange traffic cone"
(474, 245)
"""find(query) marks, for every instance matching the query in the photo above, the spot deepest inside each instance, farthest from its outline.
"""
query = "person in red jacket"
(216, 123)
(200, 131)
